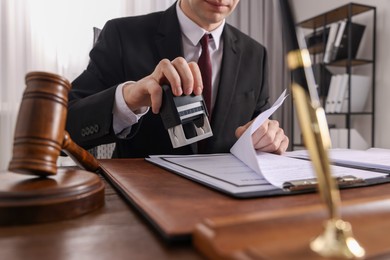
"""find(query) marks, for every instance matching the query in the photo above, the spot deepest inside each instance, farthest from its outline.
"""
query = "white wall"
(305, 9)
(34, 36)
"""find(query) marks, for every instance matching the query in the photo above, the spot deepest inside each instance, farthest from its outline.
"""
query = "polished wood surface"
(176, 204)
(27, 199)
(287, 233)
(114, 231)
(118, 231)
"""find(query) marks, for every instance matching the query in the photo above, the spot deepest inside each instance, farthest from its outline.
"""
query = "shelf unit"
(349, 120)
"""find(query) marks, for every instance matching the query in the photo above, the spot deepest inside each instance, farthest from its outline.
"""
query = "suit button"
(95, 128)
(89, 130)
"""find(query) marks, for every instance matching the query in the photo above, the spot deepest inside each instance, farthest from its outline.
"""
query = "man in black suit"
(118, 96)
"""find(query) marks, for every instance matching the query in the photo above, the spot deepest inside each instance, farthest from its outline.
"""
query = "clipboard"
(247, 173)
(262, 188)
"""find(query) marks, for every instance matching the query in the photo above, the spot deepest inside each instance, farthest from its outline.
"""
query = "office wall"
(34, 36)
(305, 9)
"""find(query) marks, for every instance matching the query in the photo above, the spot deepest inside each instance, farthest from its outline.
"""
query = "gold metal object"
(298, 59)
(337, 239)
(312, 183)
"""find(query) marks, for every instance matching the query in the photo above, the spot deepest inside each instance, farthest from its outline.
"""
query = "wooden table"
(115, 231)
(118, 231)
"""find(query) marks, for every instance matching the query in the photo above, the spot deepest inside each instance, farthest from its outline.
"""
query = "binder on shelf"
(329, 96)
(338, 95)
(316, 40)
(322, 76)
(339, 138)
(340, 46)
(332, 94)
(360, 88)
(341, 93)
(317, 37)
(338, 38)
(330, 42)
(334, 137)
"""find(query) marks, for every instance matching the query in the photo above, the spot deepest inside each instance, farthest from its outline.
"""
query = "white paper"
(279, 169)
(243, 148)
(224, 167)
(236, 179)
(373, 158)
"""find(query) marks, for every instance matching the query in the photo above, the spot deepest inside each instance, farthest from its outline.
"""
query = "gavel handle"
(83, 158)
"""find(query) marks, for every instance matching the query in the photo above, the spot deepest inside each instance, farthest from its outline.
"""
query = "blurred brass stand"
(42, 192)
(337, 239)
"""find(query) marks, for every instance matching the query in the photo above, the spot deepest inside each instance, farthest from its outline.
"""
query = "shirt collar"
(193, 31)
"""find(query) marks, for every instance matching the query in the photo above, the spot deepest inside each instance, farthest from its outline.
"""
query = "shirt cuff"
(123, 116)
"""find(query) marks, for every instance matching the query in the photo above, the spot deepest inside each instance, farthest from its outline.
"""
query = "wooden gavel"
(40, 133)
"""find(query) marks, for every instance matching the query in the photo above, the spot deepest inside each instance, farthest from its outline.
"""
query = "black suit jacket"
(129, 49)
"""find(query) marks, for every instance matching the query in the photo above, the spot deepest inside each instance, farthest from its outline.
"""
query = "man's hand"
(183, 77)
(269, 137)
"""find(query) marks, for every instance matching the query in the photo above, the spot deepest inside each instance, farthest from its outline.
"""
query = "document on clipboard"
(245, 172)
(375, 159)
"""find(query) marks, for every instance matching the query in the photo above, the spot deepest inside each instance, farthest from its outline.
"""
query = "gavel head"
(40, 126)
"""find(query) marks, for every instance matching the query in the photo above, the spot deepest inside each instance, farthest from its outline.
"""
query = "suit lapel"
(168, 38)
(228, 80)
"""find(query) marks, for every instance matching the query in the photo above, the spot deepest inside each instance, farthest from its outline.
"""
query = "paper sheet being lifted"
(243, 149)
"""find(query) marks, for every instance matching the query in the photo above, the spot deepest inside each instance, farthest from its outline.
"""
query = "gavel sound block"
(41, 192)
